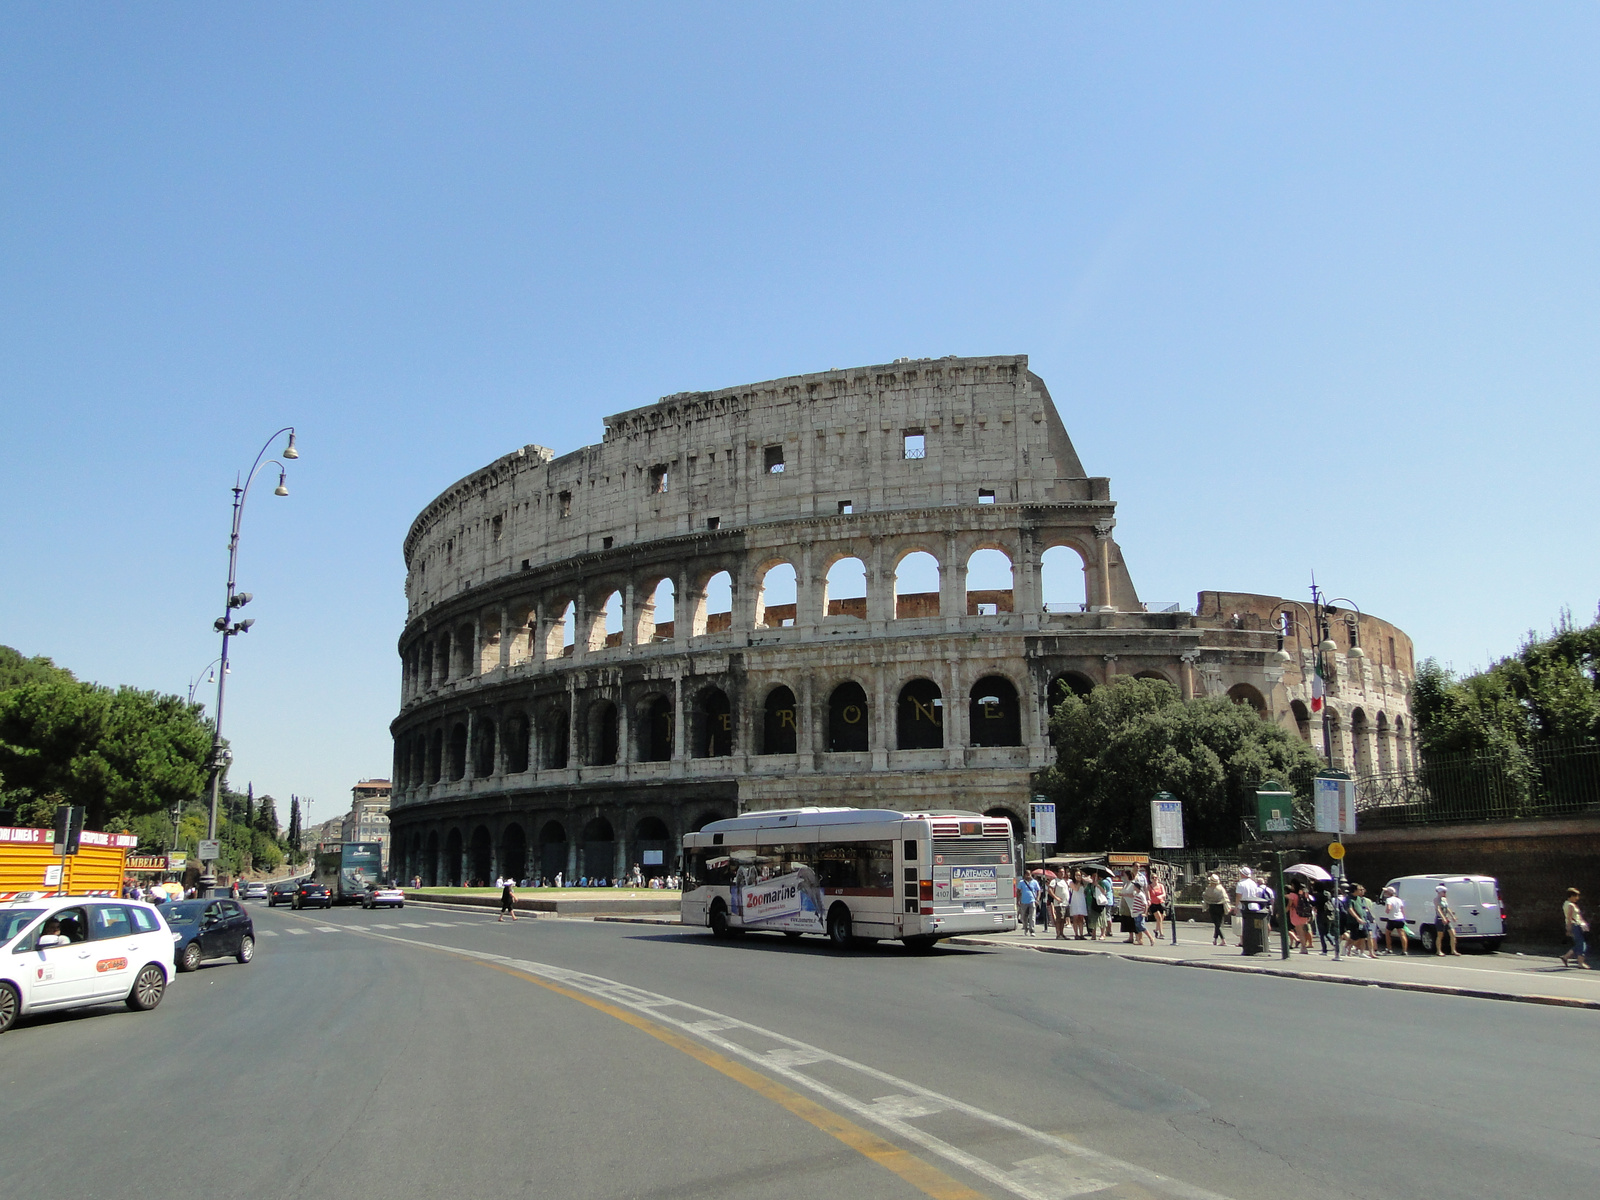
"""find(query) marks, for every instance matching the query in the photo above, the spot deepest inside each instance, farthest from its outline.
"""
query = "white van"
(1480, 919)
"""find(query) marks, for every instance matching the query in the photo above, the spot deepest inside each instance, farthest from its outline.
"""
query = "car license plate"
(1462, 928)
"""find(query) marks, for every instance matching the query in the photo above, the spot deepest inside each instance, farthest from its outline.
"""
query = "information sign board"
(210, 850)
(1334, 803)
(1166, 822)
(1042, 822)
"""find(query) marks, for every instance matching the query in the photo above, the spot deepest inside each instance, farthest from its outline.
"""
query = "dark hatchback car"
(312, 895)
(204, 929)
(281, 892)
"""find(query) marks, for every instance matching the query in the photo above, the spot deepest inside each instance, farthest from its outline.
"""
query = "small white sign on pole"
(1042, 822)
(1335, 804)
(1166, 823)
(52, 875)
(210, 851)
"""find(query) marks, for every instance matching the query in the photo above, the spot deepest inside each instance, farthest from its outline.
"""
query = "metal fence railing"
(1554, 779)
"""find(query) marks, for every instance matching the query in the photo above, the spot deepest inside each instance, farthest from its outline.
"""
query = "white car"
(378, 896)
(61, 952)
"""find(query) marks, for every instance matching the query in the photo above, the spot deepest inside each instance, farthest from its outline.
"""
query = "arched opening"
(655, 729)
(989, 583)
(846, 594)
(554, 743)
(1360, 742)
(1402, 746)
(450, 872)
(419, 758)
(776, 596)
(553, 850)
(514, 852)
(705, 818)
(598, 850)
(716, 608)
(430, 861)
(919, 717)
(1243, 693)
(520, 632)
(652, 847)
(656, 613)
(916, 585)
(713, 727)
(489, 644)
(441, 658)
(601, 733)
(1302, 719)
(1385, 746)
(1069, 683)
(607, 628)
(436, 756)
(480, 861)
(562, 631)
(1149, 673)
(996, 716)
(847, 719)
(458, 752)
(517, 743)
(483, 747)
(1063, 580)
(780, 725)
(461, 655)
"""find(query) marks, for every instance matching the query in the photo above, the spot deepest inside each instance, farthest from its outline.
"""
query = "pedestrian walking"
(1158, 905)
(1078, 904)
(1444, 922)
(1060, 900)
(1324, 910)
(1027, 897)
(1300, 917)
(1246, 893)
(1394, 920)
(1577, 930)
(508, 901)
(1216, 898)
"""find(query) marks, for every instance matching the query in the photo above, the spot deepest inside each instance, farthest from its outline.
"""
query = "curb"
(1437, 989)
(641, 920)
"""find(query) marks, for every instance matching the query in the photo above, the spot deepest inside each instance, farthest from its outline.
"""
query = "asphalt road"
(432, 1053)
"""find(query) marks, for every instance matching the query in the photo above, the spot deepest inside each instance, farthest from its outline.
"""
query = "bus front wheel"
(839, 926)
(719, 920)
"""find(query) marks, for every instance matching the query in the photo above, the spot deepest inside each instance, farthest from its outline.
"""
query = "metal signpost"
(1166, 833)
(1275, 814)
(1334, 801)
(1042, 823)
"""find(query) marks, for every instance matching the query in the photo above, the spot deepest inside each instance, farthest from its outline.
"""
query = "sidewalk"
(1529, 978)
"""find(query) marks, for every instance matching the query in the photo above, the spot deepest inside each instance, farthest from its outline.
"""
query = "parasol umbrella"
(1309, 870)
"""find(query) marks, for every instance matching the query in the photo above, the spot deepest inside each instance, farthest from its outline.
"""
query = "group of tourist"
(636, 880)
(1086, 900)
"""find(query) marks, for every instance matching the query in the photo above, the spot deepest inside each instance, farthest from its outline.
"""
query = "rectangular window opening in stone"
(772, 459)
(985, 495)
(1391, 654)
(988, 609)
(713, 522)
(846, 507)
(658, 479)
(564, 504)
(605, 543)
(915, 444)
(527, 565)
(449, 552)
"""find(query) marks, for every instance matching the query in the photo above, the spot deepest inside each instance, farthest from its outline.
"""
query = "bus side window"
(911, 851)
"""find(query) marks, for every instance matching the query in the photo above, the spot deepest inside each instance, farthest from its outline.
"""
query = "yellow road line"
(923, 1176)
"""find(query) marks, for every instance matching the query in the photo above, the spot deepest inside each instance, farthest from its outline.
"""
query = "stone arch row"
(542, 848)
(1358, 743)
(571, 620)
(539, 734)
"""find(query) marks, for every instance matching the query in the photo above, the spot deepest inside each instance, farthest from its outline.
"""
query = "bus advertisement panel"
(360, 865)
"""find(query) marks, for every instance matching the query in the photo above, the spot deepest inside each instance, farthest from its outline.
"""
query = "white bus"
(854, 874)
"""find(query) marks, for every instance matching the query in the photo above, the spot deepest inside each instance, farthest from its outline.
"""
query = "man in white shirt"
(1248, 895)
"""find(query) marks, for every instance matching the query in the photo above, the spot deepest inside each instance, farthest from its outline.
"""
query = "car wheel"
(1425, 936)
(839, 926)
(189, 960)
(719, 920)
(148, 988)
(272, 902)
(402, 904)
(10, 1006)
(247, 949)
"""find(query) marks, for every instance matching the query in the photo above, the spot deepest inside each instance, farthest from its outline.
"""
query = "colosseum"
(858, 586)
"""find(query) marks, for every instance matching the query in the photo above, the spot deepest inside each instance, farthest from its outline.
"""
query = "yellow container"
(29, 863)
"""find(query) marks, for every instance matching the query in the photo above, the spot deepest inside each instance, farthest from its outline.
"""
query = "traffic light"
(69, 828)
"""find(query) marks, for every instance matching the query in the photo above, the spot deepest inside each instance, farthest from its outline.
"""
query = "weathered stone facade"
(552, 718)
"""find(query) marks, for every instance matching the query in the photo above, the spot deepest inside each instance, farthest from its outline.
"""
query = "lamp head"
(1328, 646)
(289, 450)
(1357, 652)
(283, 486)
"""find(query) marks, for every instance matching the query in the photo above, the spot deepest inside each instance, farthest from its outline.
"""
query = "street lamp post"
(221, 756)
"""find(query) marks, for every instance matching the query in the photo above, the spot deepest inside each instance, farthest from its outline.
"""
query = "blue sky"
(1317, 287)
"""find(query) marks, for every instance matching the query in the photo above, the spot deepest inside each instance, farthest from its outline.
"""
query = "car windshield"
(185, 912)
(14, 920)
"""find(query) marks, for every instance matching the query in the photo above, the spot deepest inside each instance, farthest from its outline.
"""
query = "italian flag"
(1317, 688)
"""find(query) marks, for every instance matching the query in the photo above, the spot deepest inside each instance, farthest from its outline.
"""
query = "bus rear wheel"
(840, 931)
(921, 943)
(719, 920)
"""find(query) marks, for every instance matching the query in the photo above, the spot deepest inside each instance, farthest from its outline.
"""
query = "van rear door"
(1477, 905)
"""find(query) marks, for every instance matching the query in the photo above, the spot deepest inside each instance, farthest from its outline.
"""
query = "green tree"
(1120, 745)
